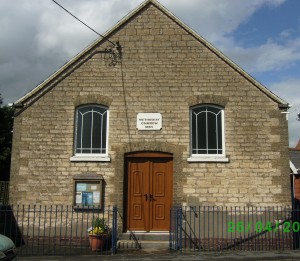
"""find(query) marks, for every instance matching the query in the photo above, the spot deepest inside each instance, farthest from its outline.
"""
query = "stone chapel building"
(151, 116)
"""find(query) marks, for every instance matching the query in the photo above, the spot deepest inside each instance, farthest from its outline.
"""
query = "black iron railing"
(132, 234)
(56, 230)
(4, 192)
(63, 230)
(234, 228)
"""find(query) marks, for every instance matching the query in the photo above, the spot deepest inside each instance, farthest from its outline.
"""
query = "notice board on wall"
(88, 194)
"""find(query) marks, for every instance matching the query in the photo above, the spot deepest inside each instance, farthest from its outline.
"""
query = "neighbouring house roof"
(298, 146)
(295, 159)
(41, 89)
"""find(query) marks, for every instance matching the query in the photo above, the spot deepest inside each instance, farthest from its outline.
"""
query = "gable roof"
(28, 99)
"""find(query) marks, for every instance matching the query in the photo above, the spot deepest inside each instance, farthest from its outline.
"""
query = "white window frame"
(104, 157)
(208, 157)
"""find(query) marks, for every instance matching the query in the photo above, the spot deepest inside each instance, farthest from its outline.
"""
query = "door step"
(146, 241)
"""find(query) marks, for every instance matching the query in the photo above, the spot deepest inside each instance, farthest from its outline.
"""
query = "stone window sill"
(90, 158)
(208, 159)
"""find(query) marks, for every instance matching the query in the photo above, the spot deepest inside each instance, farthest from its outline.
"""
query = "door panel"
(159, 184)
(138, 175)
(162, 195)
(137, 183)
(149, 193)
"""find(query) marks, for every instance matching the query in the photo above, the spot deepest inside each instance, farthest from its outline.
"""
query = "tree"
(6, 126)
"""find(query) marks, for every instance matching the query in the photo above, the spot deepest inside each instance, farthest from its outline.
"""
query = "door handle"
(151, 198)
(146, 196)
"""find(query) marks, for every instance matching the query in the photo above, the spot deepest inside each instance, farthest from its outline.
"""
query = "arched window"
(207, 130)
(91, 134)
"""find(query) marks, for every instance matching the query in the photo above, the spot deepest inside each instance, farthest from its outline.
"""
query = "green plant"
(98, 226)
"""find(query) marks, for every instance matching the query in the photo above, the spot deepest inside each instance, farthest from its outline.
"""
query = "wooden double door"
(150, 186)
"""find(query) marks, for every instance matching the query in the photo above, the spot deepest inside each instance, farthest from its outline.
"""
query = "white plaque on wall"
(149, 121)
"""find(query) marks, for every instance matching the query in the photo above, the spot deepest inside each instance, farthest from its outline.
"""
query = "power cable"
(83, 22)
(125, 103)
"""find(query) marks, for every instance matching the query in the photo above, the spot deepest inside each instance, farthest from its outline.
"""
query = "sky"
(261, 36)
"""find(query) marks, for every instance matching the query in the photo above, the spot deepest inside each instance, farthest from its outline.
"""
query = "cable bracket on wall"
(114, 54)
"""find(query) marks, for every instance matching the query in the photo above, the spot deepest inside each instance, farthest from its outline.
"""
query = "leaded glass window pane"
(86, 131)
(206, 130)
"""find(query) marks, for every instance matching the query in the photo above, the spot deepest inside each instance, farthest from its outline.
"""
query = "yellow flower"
(96, 231)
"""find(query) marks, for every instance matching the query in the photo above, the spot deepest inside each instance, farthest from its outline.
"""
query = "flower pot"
(97, 242)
